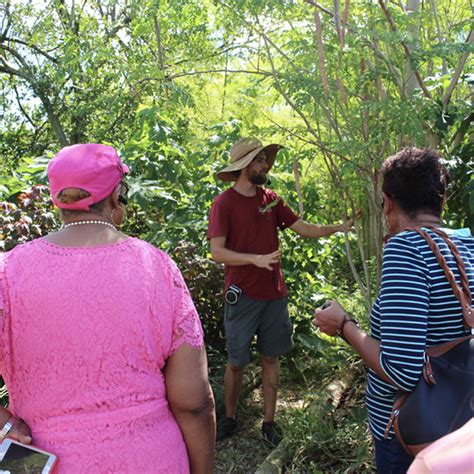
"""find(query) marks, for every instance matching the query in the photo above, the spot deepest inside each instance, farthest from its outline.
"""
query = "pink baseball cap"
(92, 167)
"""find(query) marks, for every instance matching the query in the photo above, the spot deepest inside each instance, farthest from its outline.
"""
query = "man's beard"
(258, 179)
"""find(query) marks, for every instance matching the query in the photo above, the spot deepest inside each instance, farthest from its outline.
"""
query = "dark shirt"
(250, 225)
(415, 308)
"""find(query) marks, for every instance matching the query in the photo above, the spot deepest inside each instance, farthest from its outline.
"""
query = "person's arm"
(221, 254)
(187, 386)
(400, 317)
(331, 319)
(192, 403)
(305, 229)
(20, 431)
(312, 231)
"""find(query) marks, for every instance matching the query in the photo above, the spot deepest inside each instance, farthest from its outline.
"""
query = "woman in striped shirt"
(416, 306)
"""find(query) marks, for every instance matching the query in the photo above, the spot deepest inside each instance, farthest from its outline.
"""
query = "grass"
(320, 435)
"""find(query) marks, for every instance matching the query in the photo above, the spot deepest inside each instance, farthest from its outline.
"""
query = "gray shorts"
(268, 320)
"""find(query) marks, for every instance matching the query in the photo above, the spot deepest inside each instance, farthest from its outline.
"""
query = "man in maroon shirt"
(243, 233)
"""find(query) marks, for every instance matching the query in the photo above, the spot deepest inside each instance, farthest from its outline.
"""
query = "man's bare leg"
(232, 383)
(271, 434)
(270, 379)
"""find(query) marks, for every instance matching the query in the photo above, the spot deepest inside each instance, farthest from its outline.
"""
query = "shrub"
(31, 217)
(205, 280)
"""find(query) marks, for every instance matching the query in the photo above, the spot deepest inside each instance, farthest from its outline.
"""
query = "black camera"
(232, 294)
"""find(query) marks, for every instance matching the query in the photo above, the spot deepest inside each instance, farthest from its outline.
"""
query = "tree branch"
(397, 77)
(337, 20)
(157, 29)
(219, 50)
(26, 74)
(7, 17)
(34, 48)
(461, 131)
(449, 91)
(320, 7)
(318, 142)
(372, 45)
(261, 31)
(345, 19)
(393, 27)
(17, 56)
(296, 173)
(343, 191)
(7, 69)
(320, 49)
(212, 71)
(53, 118)
(20, 106)
(438, 28)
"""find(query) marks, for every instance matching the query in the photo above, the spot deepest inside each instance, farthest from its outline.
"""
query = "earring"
(120, 220)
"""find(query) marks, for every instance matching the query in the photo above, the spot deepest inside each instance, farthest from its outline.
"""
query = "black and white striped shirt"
(415, 307)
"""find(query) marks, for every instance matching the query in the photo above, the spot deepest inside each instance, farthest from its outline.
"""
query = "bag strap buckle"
(428, 374)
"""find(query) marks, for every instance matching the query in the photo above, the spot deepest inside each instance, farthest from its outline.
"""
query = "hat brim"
(227, 174)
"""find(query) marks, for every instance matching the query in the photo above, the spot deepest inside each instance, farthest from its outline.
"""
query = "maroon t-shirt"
(250, 225)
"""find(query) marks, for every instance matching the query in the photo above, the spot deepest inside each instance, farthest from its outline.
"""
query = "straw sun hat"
(243, 152)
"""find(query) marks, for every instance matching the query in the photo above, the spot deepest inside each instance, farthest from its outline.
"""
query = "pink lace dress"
(84, 336)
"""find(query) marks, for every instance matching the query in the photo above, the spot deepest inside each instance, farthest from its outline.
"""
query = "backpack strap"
(461, 291)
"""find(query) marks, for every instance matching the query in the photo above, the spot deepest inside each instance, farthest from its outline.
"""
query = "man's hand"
(222, 254)
(314, 231)
(348, 226)
(267, 260)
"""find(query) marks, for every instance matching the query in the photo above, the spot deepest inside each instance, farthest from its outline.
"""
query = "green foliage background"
(173, 83)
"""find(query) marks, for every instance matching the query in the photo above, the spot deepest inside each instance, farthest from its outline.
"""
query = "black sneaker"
(225, 427)
(271, 434)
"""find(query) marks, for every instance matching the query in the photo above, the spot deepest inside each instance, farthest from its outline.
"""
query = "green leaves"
(313, 343)
(26, 216)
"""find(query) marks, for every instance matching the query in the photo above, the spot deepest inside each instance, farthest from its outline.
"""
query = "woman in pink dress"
(100, 344)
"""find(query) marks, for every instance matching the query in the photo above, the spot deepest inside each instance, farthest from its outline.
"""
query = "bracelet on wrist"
(347, 319)
(6, 428)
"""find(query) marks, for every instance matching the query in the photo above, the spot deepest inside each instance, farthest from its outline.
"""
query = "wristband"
(340, 331)
(7, 427)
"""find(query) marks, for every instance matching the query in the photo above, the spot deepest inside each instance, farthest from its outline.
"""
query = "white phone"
(18, 458)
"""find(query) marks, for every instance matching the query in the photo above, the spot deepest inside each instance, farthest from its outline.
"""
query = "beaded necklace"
(71, 224)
